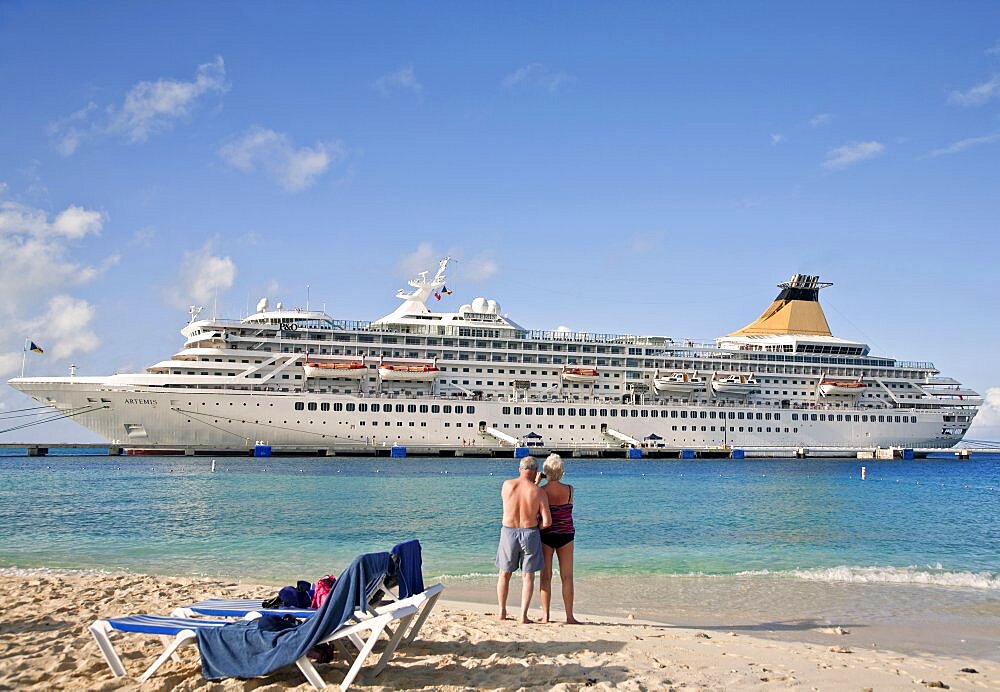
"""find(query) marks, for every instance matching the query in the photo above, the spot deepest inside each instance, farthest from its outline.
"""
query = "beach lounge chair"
(253, 648)
(244, 607)
(177, 632)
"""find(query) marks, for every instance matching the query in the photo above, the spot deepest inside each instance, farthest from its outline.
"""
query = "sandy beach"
(44, 643)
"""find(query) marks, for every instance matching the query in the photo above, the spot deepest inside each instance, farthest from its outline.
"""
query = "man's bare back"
(523, 502)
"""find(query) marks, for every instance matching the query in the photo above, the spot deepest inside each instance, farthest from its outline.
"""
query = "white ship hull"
(228, 419)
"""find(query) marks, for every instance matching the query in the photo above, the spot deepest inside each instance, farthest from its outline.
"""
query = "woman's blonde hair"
(553, 467)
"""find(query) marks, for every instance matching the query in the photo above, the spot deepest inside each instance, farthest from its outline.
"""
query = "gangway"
(621, 437)
(502, 436)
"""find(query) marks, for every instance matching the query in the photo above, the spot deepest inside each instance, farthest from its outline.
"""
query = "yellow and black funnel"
(796, 310)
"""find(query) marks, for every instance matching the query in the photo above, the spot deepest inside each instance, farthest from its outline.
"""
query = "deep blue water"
(929, 520)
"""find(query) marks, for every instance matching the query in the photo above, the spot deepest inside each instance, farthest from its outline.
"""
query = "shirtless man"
(520, 544)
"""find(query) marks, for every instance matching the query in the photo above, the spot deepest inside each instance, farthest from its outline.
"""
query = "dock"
(32, 449)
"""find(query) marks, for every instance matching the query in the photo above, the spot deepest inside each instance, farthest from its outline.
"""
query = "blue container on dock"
(687, 454)
(634, 453)
(521, 452)
(262, 451)
(737, 454)
(907, 454)
(397, 452)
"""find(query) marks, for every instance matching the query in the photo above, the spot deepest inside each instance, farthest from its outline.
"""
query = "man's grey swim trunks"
(520, 548)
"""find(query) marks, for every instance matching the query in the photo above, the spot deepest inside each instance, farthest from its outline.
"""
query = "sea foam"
(934, 575)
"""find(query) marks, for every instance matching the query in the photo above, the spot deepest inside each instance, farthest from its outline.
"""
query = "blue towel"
(250, 649)
(411, 573)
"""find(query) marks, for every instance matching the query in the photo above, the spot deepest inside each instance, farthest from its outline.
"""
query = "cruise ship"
(299, 379)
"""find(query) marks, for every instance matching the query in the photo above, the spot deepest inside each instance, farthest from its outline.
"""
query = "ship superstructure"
(474, 377)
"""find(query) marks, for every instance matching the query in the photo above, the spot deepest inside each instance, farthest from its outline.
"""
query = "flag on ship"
(35, 348)
(437, 295)
(446, 290)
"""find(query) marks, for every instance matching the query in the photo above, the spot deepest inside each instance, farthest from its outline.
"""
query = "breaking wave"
(934, 575)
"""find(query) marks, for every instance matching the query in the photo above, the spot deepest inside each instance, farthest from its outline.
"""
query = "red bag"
(323, 588)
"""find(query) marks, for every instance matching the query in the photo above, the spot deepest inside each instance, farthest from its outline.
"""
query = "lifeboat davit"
(832, 387)
(678, 383)
(735, 385)
(353, 370)
(586, 375)
(408, 373)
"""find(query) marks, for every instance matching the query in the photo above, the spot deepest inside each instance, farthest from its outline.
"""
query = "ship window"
(593, 412)
(777, 416)
(913, 419)
(312, 406)
(857, 418)
(338, 407)
(412, 408)
(435, 408)
(571, 412)
(654, 413)
(561, 412)
(684, 414)
(740, 415)
(897, 419)
(375, 407)
(363, 408)
(795, 416)
(673, 414)
(604, 412)
(517, 410)
(613, 412)
(711, 414)
(349, 407)
(582, 412)
(822, 416)
(881, 419)
(634, 413)
(299, 406)
(644, 413)
(813, 416)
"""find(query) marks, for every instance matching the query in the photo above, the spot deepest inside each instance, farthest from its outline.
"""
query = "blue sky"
(650, 168)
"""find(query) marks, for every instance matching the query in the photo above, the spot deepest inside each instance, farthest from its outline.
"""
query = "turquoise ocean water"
(667, 539)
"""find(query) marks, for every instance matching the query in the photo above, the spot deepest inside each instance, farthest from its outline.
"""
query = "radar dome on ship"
(482, 305)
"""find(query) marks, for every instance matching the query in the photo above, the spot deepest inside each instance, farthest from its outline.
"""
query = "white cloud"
(777, 139)
(34, 250)
(478, 268)
(820, 119)
(987, 421)
(292, 168)
(76, 222)
(977, 95)
(643, 243)
(994, 49)
(36, 272)
(423, 258)
(403, 79)
(65, 327)
(426, 258)
(69, 131)
(963, 144)
(535, 75)
(10, 364)
(147, 109)
(852, 153)
(201, 276)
